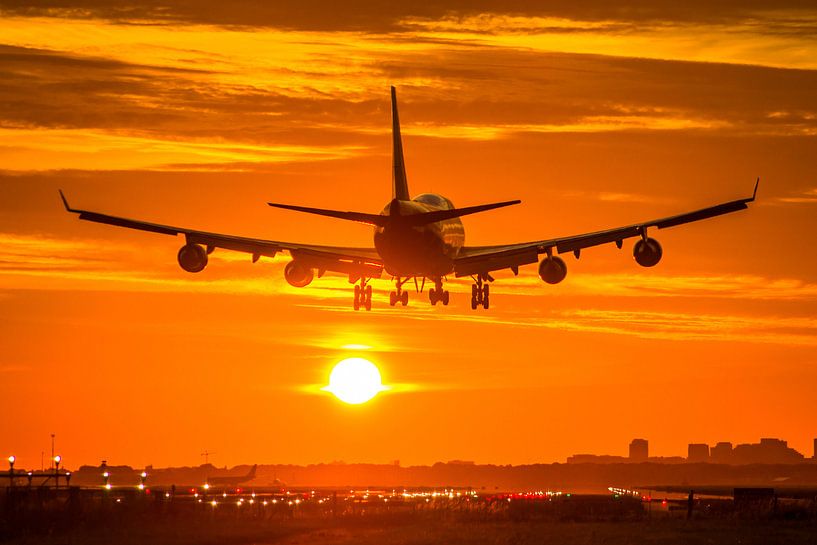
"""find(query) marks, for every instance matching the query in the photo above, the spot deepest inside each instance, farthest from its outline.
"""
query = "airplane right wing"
(356, 262)
(484, 259)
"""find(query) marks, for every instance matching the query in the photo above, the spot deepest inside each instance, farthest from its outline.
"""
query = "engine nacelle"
(552, 269)
(297, 274)
(192, 258)
(647, 252)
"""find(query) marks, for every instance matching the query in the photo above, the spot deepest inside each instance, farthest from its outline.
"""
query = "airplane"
(232, 480)
(416, 238)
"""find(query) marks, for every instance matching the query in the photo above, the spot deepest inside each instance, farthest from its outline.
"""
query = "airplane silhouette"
(232, 480)
(420, 238)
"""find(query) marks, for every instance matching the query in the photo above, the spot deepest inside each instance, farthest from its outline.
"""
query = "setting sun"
(355, 381)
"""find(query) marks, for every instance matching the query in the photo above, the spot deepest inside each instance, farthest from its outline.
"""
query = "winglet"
(65, 202)
(754, 193)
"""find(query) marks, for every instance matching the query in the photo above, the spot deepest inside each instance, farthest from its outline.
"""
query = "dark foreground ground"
(29, 516)
(420, 530)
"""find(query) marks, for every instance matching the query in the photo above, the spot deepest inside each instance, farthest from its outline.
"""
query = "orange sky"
(194, 115)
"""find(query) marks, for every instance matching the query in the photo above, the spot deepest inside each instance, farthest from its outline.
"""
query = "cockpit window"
(434, 200)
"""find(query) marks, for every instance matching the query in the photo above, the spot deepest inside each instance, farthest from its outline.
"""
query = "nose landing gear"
(480, 292)
(437, 294)
(400, 294)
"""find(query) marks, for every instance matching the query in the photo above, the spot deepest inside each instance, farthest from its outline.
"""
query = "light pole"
(106, 477)
(57, 460)
(12, 458)
(142, 478)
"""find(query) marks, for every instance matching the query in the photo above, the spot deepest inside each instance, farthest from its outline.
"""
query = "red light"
(238, 491)
(147, 490)
(664, 503)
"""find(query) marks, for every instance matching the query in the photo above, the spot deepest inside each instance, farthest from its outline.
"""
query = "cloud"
(374, 16)
(36, 263)
(809, 196)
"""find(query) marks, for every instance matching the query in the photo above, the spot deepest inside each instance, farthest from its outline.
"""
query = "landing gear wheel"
(368, 292)
(486, 301)
(404, 298)
(392, 298)
(473, 303)
(445, 298)
(357, 298)
(432, 296)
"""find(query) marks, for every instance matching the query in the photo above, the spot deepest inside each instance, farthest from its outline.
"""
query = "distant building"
(721, 453)
(639, 450)
(595, 459)
(666, 459)
(768, 451)
(697, 453)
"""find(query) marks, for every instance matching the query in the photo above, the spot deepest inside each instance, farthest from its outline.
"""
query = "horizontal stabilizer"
(394, 218)
(360, 217)
(441, 215)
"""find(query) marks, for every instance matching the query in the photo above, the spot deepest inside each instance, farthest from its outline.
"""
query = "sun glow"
(355, 381)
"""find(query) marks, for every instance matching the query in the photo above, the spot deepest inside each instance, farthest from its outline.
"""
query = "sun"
(355, 381)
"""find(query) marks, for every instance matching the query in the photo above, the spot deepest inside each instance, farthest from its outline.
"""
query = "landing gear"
(363, 295)
(400, 294)
(480, 293)
(437, 293)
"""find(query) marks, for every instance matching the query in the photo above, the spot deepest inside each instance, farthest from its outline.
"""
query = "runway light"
(12, 459)
(206, 486)
(108, 486)
(214, 503)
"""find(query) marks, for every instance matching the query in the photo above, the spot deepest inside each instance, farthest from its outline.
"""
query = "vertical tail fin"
(399, 182)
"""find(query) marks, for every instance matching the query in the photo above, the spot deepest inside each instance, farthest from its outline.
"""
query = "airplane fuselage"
(426, 250)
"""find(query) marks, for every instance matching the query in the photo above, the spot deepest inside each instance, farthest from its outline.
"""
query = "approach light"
(206, 486)
(108, 486)
(12, 458)
(57, 460)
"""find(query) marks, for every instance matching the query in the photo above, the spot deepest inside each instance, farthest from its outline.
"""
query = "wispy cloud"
(808, 196)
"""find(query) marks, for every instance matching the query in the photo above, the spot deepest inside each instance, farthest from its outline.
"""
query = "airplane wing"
(484, 259)
(353, 261)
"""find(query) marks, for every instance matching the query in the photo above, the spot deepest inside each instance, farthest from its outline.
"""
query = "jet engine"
(192, 258)
(647, 252)
(552, 269)
(297, 274)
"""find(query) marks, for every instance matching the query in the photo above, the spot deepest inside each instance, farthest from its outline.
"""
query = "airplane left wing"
(355, 262)
(484, 259)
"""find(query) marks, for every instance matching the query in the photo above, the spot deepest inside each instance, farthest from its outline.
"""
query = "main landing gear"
(363, 295)
(480, 292)
(437, 293)
(400, 294)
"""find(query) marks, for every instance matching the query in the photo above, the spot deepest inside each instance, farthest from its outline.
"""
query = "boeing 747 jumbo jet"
(416, 239)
